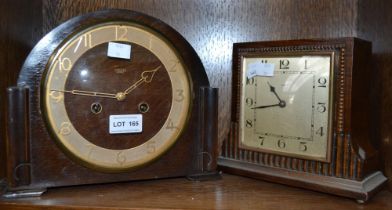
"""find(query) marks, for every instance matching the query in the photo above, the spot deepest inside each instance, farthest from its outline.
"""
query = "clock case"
(34, 161)
(352, 169)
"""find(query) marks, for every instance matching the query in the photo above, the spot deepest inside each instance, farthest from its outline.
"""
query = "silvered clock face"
(286, 105)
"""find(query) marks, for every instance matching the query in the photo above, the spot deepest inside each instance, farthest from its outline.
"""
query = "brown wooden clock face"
(110, 113)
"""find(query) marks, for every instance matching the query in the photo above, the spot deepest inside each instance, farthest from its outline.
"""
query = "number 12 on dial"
(288, 110)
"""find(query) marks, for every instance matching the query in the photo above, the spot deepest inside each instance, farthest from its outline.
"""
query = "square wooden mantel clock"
(301, 115)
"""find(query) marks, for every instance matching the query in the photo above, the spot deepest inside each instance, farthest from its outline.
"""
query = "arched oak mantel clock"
(109, 96)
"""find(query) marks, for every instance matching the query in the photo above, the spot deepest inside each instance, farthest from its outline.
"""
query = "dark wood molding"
(18, 137)
(18, 35)
(375, 23)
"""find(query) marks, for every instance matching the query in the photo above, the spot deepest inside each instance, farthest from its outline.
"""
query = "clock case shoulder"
(354, 124)
(34, 162)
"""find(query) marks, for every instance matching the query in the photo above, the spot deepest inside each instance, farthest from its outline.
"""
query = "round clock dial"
(286, 105)
(113, 113)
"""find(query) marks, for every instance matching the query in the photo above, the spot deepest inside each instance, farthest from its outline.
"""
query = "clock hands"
(281, 103)
(146, 77)
(272, 89)
(88, 93)
(266, 106)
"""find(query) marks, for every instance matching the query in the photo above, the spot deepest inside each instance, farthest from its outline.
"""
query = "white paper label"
(128, 123)
(260, 69)
(118, 50)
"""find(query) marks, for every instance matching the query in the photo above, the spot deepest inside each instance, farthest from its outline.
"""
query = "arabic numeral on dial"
(86, 40)
(121, 33)
(261, 139)
(121, 158)
(180, 95)
(56, 96)
(170, 125)
(151, 147)
(249, 101)
(281, 144)
(321, 107)
(284, 64)
(174, 65)
(250, 81)
(303, 147)
(150, 42)
(249, 123)
(322, 82)
(65, 64)
(320, 131)
(306, 64)
(65, 128)
(90, 150)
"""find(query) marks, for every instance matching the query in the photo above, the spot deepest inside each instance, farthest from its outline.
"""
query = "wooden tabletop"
(231, 192)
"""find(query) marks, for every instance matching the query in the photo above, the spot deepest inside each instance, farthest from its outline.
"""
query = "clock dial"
(90, 72)
(288, 110)
(85, 87)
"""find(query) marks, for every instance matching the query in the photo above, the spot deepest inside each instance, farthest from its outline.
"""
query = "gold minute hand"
(88, 93)
(146, 77)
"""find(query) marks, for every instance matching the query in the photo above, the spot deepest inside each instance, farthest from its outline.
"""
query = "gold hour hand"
(145, 77)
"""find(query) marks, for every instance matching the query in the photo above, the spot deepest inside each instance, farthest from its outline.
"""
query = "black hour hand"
(272, 89)
(266, 106)
(281, 104)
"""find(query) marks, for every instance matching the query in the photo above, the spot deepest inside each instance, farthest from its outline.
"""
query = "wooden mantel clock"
(301, 115)
(109, 96)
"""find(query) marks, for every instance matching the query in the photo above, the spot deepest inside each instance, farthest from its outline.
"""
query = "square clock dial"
(286, 105)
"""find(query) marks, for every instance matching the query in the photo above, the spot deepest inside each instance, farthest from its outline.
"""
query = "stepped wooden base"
(23, 193)
(207, 176)
(359, 190)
